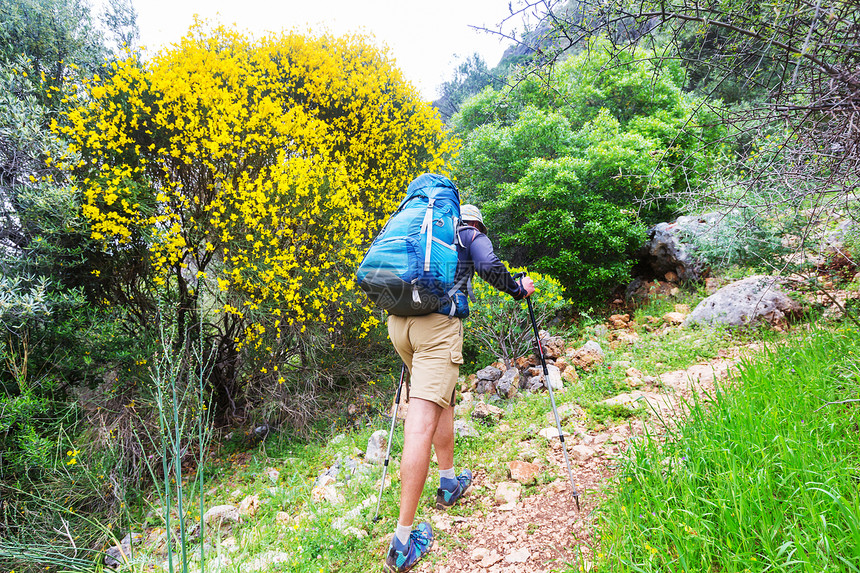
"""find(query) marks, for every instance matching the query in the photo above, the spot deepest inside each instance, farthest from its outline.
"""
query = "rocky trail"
(543, 531)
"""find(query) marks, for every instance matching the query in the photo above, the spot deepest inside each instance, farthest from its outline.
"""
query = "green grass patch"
(762, 478)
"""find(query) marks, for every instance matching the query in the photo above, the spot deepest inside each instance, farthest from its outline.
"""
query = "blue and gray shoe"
(452, 489)
(404, 557)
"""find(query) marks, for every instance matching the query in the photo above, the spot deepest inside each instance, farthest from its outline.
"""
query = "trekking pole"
(551, 395)
(390, 438)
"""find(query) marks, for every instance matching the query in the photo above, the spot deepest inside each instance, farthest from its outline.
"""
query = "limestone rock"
(593, 347)
(673, 318)
(329, 493)
(537, 381)
(581, 453)
(586, 357)
(519, 556)
(464, 429)
(507, 385)
(553, 346)
(753, 299)
(220, 514)
(523, 472)
(376, 447)
(650, 401)
(273, 474)
(479, 553)
(552, 433)
(484, 386)
(486, 411)
(508, 493)
(491, 559)
(265, 561)
(489, 373)
(566, 413)
(570, 375)
(668, 248)
(249, 505)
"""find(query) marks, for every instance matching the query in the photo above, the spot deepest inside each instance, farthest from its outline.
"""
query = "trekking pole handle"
(519, 275)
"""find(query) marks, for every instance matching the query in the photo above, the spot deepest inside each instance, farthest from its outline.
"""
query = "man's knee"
(422, 416)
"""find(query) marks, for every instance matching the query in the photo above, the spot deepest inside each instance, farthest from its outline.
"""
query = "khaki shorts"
(431, 346)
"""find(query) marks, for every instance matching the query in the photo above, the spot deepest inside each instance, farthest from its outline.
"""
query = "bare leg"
(443, 439)
(422, 420)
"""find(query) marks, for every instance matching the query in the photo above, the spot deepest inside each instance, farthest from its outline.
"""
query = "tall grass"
(181, 402)
(764, 477)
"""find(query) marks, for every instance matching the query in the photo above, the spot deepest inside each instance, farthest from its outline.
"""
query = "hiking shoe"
(404, 557)
(449, 493)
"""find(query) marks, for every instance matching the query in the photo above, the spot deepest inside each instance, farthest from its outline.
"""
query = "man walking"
(431, 347)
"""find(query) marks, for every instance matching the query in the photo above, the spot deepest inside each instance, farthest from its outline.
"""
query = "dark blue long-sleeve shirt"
(476, 255)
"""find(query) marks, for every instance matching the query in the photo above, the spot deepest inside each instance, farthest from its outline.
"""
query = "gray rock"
(465, 429)
(221, 513)
(118, 554)
(536, 383)
(506, 390)
(376, 446)
(592, 347)
(599, 330)
(753, 299)
(553, 346)
(507, 385)
(331, 472)
(669, 247)
(485, 386)
(489, 373)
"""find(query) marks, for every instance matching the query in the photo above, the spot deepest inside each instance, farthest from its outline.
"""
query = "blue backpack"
(410, 267)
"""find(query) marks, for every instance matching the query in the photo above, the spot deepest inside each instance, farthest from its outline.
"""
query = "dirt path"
(543, 531)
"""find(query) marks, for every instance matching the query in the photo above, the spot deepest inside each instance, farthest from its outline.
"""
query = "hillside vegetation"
(186, 360)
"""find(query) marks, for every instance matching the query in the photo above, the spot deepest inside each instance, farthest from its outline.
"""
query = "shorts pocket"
(456, 356)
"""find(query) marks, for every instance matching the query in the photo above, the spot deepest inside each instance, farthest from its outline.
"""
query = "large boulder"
(753, 299)
(669, 248)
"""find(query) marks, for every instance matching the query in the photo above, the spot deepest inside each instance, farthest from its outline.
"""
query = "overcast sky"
(426, 38)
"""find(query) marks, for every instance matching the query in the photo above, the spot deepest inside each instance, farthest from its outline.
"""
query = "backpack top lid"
(432, 181)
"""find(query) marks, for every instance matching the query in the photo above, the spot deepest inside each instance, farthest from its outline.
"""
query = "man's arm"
(491, 269)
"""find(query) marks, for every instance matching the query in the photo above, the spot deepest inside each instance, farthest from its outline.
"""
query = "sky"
(427, 39)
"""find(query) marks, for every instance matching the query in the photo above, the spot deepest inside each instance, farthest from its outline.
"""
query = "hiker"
(431, 347)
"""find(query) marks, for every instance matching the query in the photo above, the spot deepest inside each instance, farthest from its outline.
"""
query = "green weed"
(762, 479)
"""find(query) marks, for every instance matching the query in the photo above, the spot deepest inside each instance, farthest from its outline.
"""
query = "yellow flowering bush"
(499, 325)
(256, 169)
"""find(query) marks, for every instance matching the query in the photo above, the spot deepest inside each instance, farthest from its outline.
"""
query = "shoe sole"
(385, 567)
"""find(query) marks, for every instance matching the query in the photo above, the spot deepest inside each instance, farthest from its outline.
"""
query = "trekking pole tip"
(576, 499)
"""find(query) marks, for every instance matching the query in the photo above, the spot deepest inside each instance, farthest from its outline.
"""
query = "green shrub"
(500, 326)
(569, 233)
(566, 168)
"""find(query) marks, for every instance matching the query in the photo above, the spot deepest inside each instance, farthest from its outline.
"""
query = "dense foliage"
(780, 77)
(569, 168)
(249, 174)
